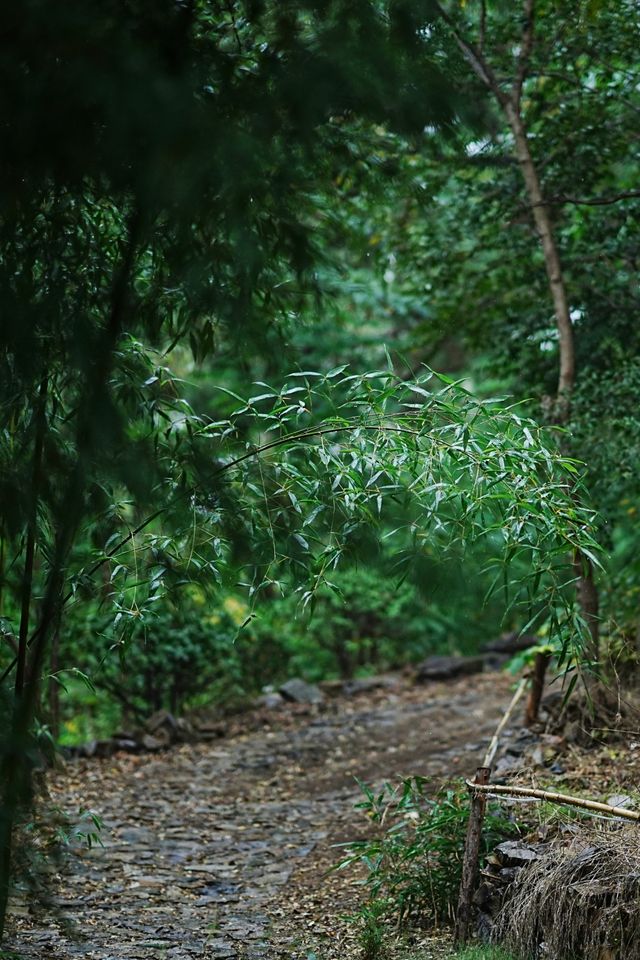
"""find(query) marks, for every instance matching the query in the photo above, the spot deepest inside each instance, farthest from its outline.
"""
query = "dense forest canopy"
(235, 239)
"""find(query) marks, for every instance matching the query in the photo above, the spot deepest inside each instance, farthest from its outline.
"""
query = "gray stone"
(512, 853)
(366, 684)
(620, 800)
(184, 730)
(298, 691)
(152, 743)
(512, 643)
(506, 767)
(447, 668)
(126, 744)
(162, 720)
(270, 700)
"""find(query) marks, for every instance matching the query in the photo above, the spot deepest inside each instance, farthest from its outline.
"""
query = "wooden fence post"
(471, 854)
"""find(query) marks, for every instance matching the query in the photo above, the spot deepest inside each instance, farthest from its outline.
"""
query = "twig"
(595, 201)
(493, 745)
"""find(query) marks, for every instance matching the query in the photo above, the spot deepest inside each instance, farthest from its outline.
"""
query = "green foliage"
(371, 936)
(364, 623)
(484, 307)
(196, 179)
(414, 861)
(483, 952)
(166, 659)
(427, 462)
(298, 482)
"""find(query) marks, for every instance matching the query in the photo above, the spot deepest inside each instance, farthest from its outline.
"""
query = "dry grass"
(582, 902)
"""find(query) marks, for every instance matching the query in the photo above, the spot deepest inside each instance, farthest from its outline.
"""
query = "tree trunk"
(589, 602)
(54, 687)
(40, 416)
(510, 105)
(540, 665)
(586, 587)
(542, 219)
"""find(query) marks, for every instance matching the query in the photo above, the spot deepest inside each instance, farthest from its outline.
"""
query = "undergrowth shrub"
(165, 660)
(413, 862)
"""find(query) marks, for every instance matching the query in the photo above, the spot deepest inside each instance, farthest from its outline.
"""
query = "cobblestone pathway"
(219, 849)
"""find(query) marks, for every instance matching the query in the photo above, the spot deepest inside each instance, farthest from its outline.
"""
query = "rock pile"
(161, 730)
(502, 867)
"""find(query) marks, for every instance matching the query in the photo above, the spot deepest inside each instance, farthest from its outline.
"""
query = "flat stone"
(162, 719)
(152, 743)
(513, 642)
(366, 684)
(299, 691)
(125, 744)
(512, 853)
(270, 700)
(447, 668)
(620, 800)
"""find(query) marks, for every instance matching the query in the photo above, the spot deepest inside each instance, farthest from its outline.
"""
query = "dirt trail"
(219, 849)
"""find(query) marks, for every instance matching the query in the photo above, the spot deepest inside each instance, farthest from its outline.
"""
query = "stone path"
(219, 850)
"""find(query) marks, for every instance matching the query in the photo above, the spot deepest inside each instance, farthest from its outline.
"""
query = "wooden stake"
(471, 853)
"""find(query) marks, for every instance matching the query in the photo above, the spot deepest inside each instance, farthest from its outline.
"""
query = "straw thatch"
(577, 903)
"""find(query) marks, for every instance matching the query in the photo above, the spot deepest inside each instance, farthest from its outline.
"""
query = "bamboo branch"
(307, 433)
(553, 797)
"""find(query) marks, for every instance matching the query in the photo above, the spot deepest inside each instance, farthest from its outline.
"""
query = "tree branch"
(524, 57)
(483, 26)
(478, 63)
(595, 201)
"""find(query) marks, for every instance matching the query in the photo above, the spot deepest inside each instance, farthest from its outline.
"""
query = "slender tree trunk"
(544, 226)
(586, 587)
(509, 102)
(589, 601)
(537, 687)
(54, 688)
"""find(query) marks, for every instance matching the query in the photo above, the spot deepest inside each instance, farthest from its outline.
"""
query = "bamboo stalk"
(553, 797)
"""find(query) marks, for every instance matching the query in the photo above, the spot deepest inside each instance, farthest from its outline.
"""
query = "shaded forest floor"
(220, 849)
